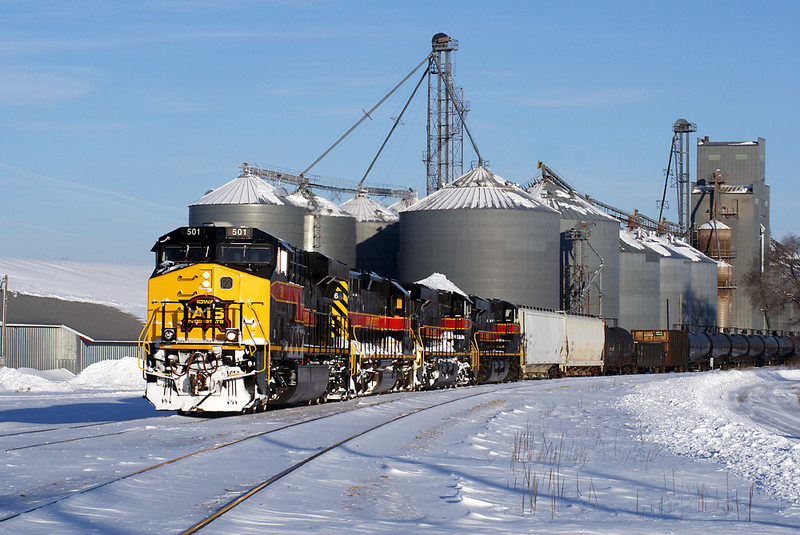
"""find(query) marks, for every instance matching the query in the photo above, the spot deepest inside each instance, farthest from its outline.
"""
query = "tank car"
(618, 352)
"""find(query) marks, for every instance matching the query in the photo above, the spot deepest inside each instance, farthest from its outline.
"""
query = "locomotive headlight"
(168, 334)
(231, 335)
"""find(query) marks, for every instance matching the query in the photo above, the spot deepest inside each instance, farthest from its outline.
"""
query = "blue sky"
(115, 115)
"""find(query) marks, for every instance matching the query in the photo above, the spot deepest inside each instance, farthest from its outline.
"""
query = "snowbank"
(122, 374)
(738, 418)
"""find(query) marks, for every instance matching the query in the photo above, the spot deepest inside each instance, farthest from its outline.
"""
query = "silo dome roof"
(403, 204)
(244, 189)
(666, 247)
(365, 209)
(479, 189)
(305, 198)
(690, 252)
(713, 224)
(569, 204)
(634, 242)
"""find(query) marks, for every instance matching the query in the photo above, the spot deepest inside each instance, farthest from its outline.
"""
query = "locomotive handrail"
(475, 354)
(267, 352)
(420, 348)
(140, 360)
(355, 355)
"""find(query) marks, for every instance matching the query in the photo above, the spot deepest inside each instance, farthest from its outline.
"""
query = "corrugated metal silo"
(326, 228)
(675, 274)
(714, 240)
(377, 235)
(249, 201)
(589, 251)
(699, 302)
(639, 295)
(402, 204)
(488, 236)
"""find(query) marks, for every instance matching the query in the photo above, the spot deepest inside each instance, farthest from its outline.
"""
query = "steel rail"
(261, 486)
(90, 488)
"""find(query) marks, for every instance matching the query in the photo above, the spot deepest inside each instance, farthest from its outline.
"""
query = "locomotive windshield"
(245, 253)
(182, 253)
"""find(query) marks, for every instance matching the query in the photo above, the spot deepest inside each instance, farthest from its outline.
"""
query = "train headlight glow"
(168, 334)
(231, 335)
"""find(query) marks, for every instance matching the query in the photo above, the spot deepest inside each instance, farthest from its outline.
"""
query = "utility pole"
(3, 331)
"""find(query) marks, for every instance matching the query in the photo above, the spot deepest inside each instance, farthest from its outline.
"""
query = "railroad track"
(238, 500)
(89, 488)
(274, 453)
(93, 425)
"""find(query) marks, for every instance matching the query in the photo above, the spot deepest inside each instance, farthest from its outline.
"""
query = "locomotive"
(239, 319)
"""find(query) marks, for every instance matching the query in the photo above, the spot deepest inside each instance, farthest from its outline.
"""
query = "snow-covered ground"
(714, 452)
(120, 286)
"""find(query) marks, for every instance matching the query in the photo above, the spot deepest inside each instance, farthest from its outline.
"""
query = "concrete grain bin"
(589, 257)
(639, 268)
(377, 235)
(326, 227)
(249, 201)
(488, 236)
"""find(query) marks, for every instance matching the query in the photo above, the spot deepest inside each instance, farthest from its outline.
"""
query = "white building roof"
(244, 189)
(365, 209)
(479, 189)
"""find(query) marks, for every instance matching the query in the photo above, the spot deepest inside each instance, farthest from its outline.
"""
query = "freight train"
(239, 319)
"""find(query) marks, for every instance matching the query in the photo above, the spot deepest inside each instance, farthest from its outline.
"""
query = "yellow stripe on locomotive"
(208, 304)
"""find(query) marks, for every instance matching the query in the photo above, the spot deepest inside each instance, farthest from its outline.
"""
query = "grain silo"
(488, 236)
(699, 301)
(377, 235)
(639, 268)
(402, 204)
(590, 254)
(714, 240)
(326, 228)
(675, 277)
(249, 201)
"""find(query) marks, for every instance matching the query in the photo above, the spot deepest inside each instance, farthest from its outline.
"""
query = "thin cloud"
(90, 189)
(596, 99)
(16, 223)
(40, 46)
(40, 88)
(45, 126)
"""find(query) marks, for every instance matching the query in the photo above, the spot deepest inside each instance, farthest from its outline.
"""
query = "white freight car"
(555, 343)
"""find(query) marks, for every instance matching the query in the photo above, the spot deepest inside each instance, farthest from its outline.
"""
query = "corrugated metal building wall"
(47, 347)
